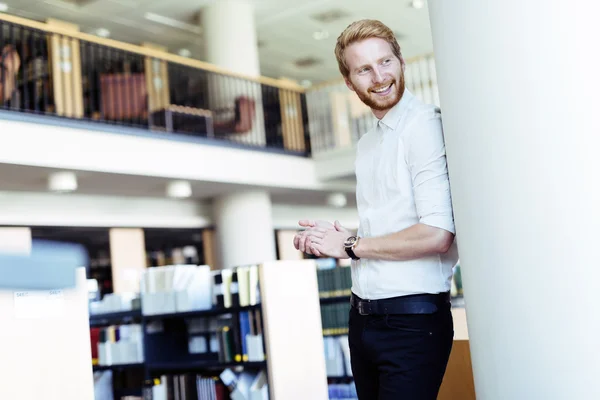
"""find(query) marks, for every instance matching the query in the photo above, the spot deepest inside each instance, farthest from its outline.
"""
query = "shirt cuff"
(439, 221)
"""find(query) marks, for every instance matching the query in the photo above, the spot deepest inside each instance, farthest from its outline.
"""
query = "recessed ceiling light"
(62, 182)
(179, 189)
(184, 53)
(337, 200)
(3, 7)
(306, 83)
(103, 32)
(320, 35)
(418, 4)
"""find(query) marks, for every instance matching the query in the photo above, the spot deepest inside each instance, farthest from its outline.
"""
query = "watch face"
(350, 241)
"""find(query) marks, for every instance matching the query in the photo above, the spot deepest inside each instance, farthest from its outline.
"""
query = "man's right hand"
(301, 240)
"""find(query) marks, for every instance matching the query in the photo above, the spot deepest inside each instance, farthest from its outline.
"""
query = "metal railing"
(337, 117)
(53, 69)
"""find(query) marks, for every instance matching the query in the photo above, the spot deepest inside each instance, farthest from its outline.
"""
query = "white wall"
(519, 88)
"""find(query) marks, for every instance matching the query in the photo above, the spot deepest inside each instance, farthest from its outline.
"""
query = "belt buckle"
(361, 308)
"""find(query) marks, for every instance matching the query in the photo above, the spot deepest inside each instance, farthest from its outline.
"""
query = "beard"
(382, 103)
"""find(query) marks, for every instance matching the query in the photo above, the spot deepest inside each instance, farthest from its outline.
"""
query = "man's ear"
(349, 84)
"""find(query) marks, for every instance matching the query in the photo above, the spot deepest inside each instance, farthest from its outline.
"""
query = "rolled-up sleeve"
(425, 154)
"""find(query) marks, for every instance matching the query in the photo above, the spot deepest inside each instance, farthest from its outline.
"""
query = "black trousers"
(400, 356)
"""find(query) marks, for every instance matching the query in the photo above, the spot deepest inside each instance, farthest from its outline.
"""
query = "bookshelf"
(184, 348)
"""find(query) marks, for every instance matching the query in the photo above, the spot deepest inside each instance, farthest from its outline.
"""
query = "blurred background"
(179, 143)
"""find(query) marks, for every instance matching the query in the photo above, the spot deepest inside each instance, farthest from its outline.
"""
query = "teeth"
(383, 89)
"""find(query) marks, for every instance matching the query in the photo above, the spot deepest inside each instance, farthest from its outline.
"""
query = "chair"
(243, 117)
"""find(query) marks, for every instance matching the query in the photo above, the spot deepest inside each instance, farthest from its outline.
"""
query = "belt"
(411, 304)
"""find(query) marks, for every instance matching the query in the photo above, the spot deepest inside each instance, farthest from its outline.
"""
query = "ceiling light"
(418, 4)
(3, 7)
(103, 32)
(62, 182)
(306, 83)
(320, 35)
(173, 23)
(337, 200)
(179, 189)
(184, 53)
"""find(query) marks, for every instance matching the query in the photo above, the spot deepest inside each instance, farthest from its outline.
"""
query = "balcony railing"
(53, 69)
(337, 117)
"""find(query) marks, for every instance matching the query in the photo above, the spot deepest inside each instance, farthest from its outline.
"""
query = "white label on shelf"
(39, 304)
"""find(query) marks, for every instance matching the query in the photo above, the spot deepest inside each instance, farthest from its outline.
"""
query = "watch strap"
(351, 253)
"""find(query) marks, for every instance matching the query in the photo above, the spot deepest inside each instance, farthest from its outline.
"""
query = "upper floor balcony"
(52, 69)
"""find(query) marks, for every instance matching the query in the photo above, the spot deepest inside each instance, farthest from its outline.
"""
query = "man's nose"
(377, 76)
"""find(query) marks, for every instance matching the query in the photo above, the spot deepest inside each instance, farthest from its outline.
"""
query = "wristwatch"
(349, 246)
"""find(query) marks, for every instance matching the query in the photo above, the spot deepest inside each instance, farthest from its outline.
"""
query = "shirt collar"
(391, 119)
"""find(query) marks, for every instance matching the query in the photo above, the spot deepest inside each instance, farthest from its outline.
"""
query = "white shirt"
(402, 180)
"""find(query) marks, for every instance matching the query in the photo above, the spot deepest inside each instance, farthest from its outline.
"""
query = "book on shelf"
(246, 385)
(236, 287)
(334, 281)
(187, 387)
(236, 337)
(342, 391)
(176, 288)
(117, 345)
(184, 288)
(457, 285)
(337, 356)
(114, 303)
(334, 318)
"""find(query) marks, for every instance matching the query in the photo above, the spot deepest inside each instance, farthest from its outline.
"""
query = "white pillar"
(229, 33)
(519, 89)
(230, 41)
(244, 227)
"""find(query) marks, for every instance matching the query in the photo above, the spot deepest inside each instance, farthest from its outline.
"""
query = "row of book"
(117, 344)
(337, 356)
(228, 385)
(113, 302)
(184, 288)
(456, 289)
(334, 318)
(342, 391)
(237, 337)
(334, 281)
(246, 385)
(187, 387)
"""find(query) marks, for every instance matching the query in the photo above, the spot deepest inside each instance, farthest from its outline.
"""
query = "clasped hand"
(322, 238)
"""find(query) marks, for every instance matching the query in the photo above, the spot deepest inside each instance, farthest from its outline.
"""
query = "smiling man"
(401, 327)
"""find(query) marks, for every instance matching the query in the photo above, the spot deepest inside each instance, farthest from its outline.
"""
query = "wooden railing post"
(157, 80)
(291, 120)
(65, 67)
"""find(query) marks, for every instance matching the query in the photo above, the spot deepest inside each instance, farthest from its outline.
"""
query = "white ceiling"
(285, 27)
(22, 178)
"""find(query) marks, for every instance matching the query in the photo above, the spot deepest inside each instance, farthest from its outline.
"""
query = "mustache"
(381, 86)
